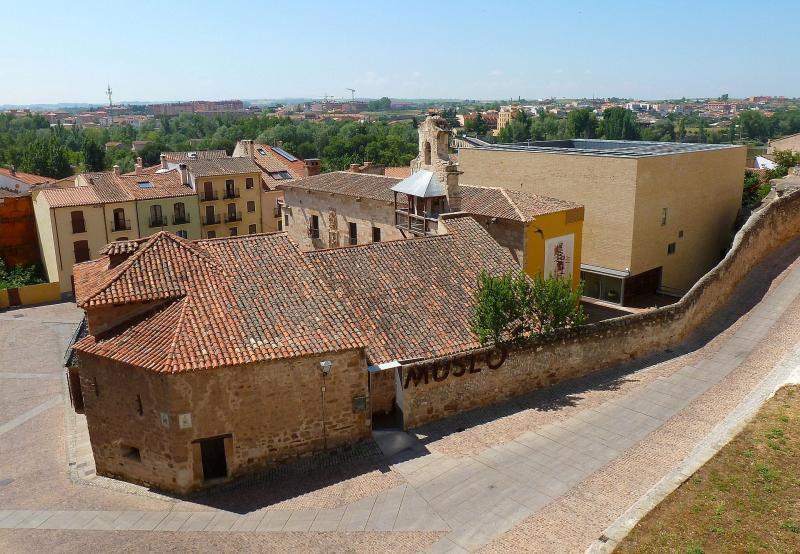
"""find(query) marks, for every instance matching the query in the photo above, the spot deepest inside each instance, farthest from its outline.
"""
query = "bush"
(19, 276)
(512, 306)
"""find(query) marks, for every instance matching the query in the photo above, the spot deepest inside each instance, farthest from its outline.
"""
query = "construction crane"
(352, 93)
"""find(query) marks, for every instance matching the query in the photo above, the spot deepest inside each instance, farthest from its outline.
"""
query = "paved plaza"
(548, 472)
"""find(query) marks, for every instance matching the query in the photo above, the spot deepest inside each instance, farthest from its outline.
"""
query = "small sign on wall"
(185, 421)
(359, 404)
(559, 256)
(165, 419)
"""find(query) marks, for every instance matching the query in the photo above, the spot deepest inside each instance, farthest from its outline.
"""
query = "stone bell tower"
(434, 136)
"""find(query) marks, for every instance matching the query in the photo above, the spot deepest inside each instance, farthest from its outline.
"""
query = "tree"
(46, 157)
(512, 306)
(93, 155)
(754, 124)
(701, 131)
(582, 124)
(662, 130)
(786, 158)
(620, 124)
(476, 125)
(517, 130)
(681, 132)
(379, 105)
(449, 115)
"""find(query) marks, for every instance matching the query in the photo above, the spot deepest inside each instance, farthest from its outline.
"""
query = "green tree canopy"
(93, 155)
(620, 124)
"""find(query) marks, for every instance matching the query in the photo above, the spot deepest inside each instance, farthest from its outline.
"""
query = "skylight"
(280, 175)
(145, 184)
(261, 151)
(284, 153)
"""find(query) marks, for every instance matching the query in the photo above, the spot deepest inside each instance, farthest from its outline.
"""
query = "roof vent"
(191, 155)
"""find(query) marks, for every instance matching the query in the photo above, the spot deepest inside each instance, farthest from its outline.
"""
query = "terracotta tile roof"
(400, 172)
(8, 193)
(487, 201)
(238, 300)
(347, 183)
(197, 155)
(414, 298)
(107, 187)
(27, 178)
(217, 302)
(222, 166)
(122, 246)
(272, 163)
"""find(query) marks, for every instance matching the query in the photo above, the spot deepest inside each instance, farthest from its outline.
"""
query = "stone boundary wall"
(438, 388)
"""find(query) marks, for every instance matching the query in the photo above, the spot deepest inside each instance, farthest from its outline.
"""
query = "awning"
(605, 271)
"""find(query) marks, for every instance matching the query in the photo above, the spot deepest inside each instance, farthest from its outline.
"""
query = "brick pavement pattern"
(547, 472)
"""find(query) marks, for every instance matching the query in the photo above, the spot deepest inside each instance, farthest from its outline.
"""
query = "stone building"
(343, 208)
(658, 215)
(790, 142)
(19, 244)
(241, 352)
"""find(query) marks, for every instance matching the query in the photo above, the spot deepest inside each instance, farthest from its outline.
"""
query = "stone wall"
(435, 389)
(381, 391)
(269, 412)
(366, 213)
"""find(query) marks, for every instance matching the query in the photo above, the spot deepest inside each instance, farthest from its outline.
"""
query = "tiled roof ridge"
(514, 205)
(122, 268)
(382, 244)
(170, 357)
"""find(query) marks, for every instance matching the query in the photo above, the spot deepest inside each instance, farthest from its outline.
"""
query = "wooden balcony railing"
(416, 224)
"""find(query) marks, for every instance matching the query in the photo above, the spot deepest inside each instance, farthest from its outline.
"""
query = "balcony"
(180, 219)
(231, 193)
(230, 217)
(208, 197)
(211, 220)
(120, 225)
(277, 211)
(416, 224)
(158, 222)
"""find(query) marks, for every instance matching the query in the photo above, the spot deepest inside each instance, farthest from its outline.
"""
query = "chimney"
(247, 145)
(164, 161)
(453, 189)
(184, 174)
(355, 168)
(13, 169)
(116, 169)
(279, 143)
(312, 166)
(139, 164)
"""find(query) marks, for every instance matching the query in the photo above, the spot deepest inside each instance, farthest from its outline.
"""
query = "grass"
(745, 499)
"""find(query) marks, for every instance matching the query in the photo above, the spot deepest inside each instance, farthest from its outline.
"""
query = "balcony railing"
(416, 224)
(158, 221)
(180, 219)
(121, 225)
(208, 197)
(211, 220)
(233, 216)
(231, 193)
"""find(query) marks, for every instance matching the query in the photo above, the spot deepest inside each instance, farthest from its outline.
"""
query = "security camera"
(326, 366)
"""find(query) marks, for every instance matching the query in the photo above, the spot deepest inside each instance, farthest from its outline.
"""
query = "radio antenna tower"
(110, 106)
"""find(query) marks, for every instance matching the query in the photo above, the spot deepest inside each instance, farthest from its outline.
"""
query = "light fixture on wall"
(326, 366)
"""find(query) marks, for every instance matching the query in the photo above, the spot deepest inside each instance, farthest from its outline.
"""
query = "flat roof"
(607, 148)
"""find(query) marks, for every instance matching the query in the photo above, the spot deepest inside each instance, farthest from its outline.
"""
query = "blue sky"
(54, 51)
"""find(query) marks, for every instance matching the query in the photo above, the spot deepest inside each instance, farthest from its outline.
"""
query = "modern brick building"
(205, 360)
(658, 215)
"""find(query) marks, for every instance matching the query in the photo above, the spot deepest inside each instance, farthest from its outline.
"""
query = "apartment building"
(277, 166)
(74, 223)
(658, 215)
(229, 191)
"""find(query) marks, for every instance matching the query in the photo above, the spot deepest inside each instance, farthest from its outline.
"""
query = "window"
(353, 231)
(313, 229)
(130, 452)
(286, 220)
(376, 234)
(139, 407)
(183, 233)
(427, 153)
(208, 191)
(680, 234)
(232, 215)
(96, 387)
(78, 223)
(248, 183)
(252, 229)
(212, 234)
(251, 205)
(234, 231)
(280, 225)
(119, 223)
(671, 248)
(663, 216)
(179, 213)
(156, 217)
(230, 190)
(81, 248)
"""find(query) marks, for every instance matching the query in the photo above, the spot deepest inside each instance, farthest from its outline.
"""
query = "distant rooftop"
(609, 148)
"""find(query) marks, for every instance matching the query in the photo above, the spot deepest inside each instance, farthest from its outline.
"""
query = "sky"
(54, 51)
